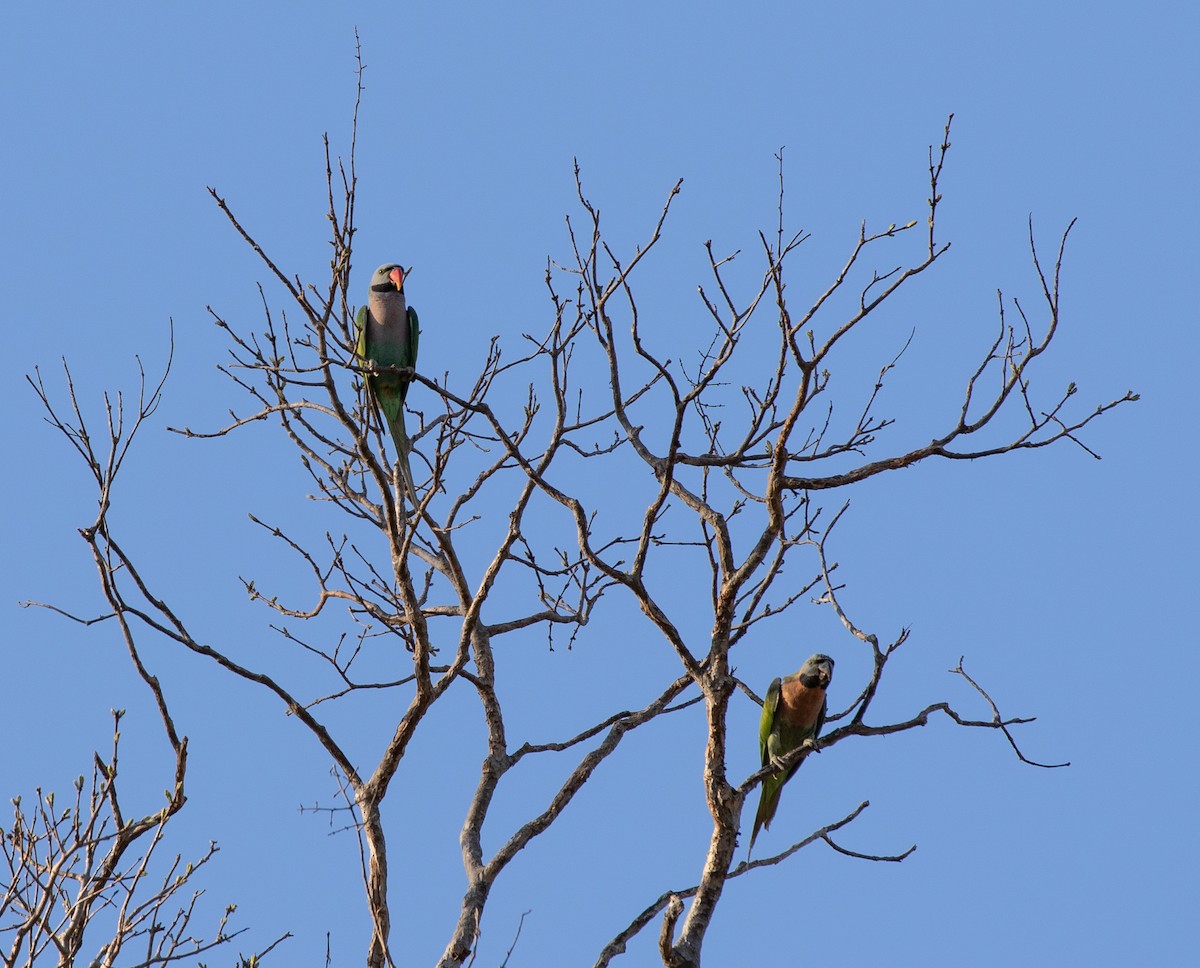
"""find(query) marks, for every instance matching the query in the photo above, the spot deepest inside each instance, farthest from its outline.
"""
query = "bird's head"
(820, 667)
(388, 278)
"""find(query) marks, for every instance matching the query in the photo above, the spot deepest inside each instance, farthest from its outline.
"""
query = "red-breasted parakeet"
(793, 712)
(388, 335)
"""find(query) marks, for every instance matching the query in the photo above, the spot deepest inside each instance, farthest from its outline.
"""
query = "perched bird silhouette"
(793, 712)
(388, 336)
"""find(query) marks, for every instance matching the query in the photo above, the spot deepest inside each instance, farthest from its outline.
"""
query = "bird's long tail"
(400, 437)
(768, 800)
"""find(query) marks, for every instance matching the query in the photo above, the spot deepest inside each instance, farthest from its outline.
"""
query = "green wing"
(414, 330)
(360, 323)
(765, 724)
(414, 340)
(768, 794)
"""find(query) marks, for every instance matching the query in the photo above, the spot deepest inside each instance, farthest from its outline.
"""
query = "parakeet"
(388, 335)
(794, 711)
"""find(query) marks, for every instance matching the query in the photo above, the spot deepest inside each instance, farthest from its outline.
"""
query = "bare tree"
(85, 870)
(727, 446)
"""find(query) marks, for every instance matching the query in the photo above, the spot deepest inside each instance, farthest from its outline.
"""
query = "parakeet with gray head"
(388, 336)
(794, 711)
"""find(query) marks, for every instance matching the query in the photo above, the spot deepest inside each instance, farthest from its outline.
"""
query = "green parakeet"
(388, 335)
(793, 712)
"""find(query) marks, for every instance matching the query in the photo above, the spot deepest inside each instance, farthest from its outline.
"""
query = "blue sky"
(1064, 581)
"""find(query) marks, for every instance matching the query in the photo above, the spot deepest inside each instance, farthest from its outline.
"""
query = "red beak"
(397, 277)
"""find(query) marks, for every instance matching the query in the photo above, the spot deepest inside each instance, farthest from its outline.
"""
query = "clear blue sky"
(1067, 583)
